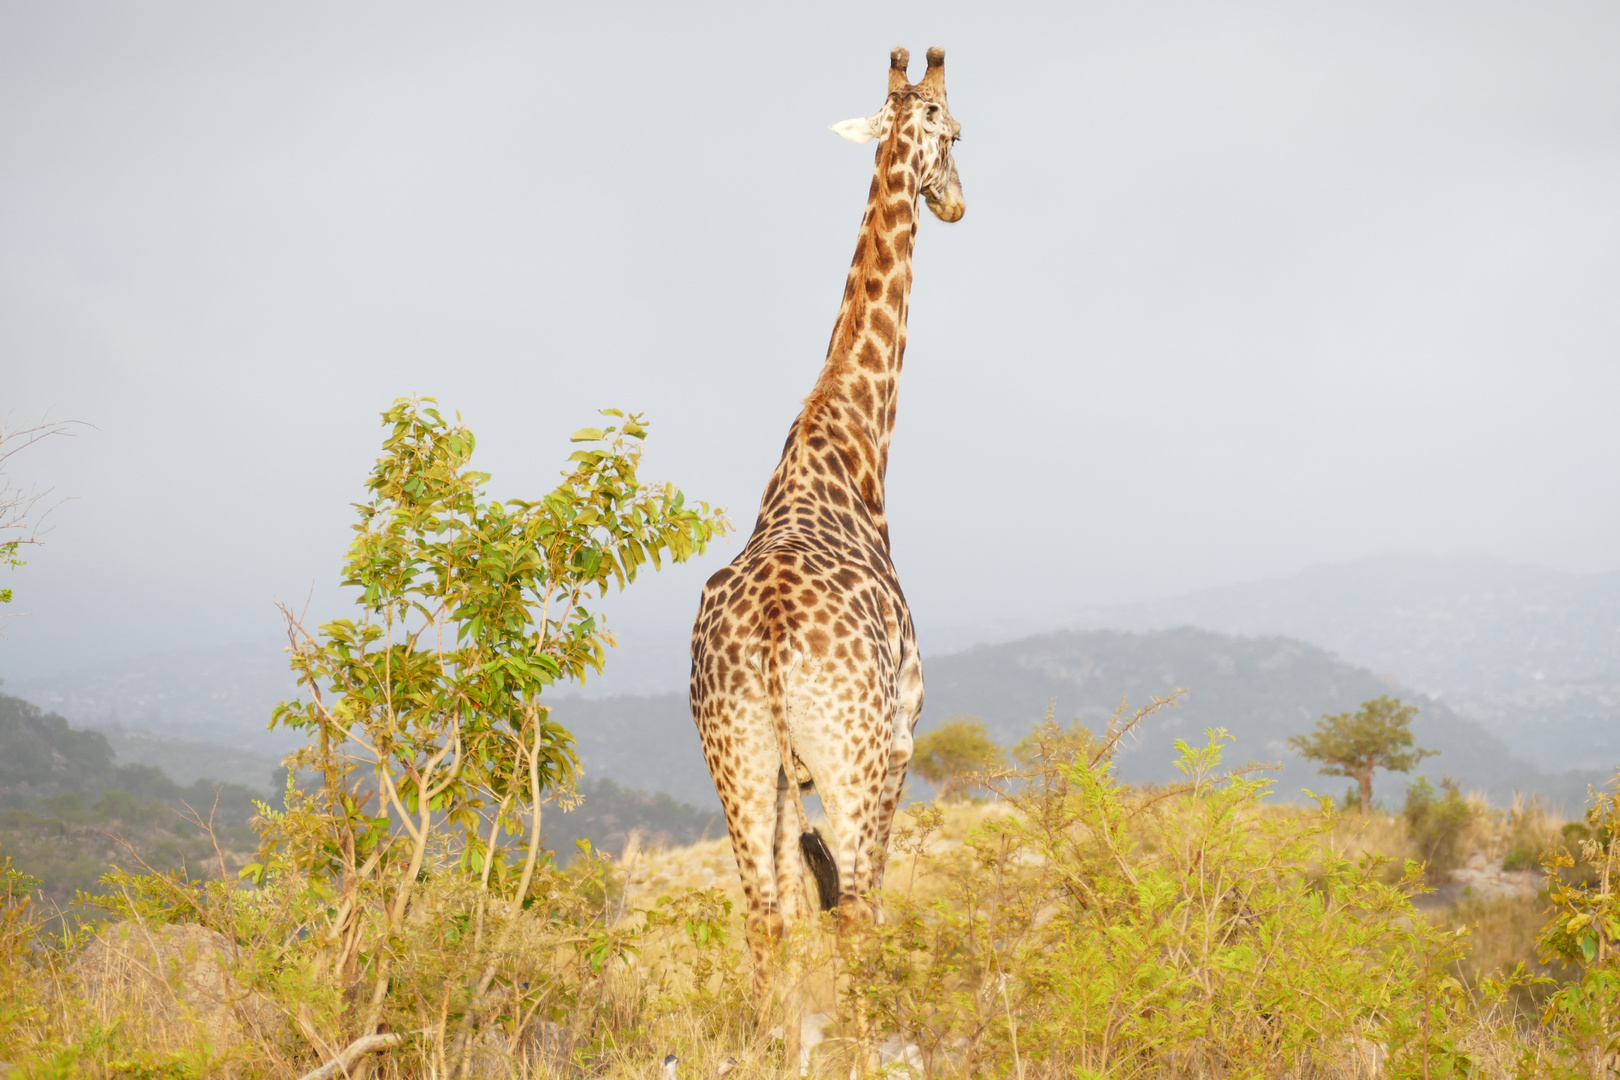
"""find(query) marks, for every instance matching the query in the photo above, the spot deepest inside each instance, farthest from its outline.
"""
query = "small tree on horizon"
(947, 756)
(1355, 744)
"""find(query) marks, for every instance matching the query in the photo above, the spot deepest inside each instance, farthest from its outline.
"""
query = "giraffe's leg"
(842, 801)
(908, 708)
(751, 819)
(852, 815)
(872, 803)
(790, 889)
(847, 750)
(794, 907)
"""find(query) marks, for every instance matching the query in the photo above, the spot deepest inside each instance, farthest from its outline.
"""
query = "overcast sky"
(1240, 288)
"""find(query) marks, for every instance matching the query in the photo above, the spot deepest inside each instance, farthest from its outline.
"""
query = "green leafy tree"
(1355, 744)
(950, 754)
(429, 702)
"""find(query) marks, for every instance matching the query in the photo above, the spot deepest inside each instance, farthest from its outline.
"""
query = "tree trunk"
(1366, 792)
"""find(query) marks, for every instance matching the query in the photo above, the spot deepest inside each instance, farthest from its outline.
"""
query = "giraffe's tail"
(812, 845)
(818, 857)
(822, 867)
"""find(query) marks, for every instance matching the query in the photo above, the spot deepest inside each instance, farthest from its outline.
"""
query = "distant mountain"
(1532, 654)
(608, 813)
(202, 712)
(69, 804)
(187, 761)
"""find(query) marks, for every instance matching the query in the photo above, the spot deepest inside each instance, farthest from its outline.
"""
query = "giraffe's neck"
(853, 402)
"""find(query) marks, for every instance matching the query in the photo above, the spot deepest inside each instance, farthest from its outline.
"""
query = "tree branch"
(368, 1044)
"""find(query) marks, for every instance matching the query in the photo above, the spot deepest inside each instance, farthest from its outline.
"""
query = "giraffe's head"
(918, 116)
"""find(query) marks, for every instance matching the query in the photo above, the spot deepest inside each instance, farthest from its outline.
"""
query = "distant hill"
(188, 761)
(1262, 690)
(67, 808)
(608, 814)
(1532, 654)
(69, 802)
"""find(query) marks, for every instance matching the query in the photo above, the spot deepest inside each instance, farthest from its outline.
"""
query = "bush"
(1438, 824)
(1106, 931)
(1351, 803)
(1521, 858)
(1083, 928)
(1051, 743)
(1584, 932)
(1525, 832)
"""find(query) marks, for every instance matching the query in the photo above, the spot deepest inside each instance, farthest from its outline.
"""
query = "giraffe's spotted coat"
(808, 626)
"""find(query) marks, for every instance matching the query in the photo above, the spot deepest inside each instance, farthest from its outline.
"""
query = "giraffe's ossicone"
(804, 662)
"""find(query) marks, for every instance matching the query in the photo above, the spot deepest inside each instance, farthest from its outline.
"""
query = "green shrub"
(1049, 742)
(1526, 830)
(1438, 823)
(1189, 932)
(1521, 858)
(1583, 1017)
(401, 893)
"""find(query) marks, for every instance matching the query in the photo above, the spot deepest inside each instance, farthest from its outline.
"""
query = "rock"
(900, 1058)
(812, 1033)
(178, 979)
(1491, 883)
(543, 1048)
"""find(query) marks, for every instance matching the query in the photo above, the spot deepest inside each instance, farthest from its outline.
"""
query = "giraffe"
(805, 671)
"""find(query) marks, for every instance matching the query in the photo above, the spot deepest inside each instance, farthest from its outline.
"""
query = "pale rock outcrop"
(179, 977)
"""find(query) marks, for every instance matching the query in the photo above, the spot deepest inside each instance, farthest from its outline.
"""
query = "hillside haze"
(221, 695)
(1516, 670)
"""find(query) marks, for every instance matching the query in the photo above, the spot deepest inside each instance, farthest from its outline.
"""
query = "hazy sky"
(1240, 287)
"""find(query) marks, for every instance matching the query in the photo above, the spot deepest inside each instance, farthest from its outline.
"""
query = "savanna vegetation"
(401, 915)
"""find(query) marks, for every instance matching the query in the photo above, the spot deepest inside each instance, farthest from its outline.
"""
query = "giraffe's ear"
(862, 129)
